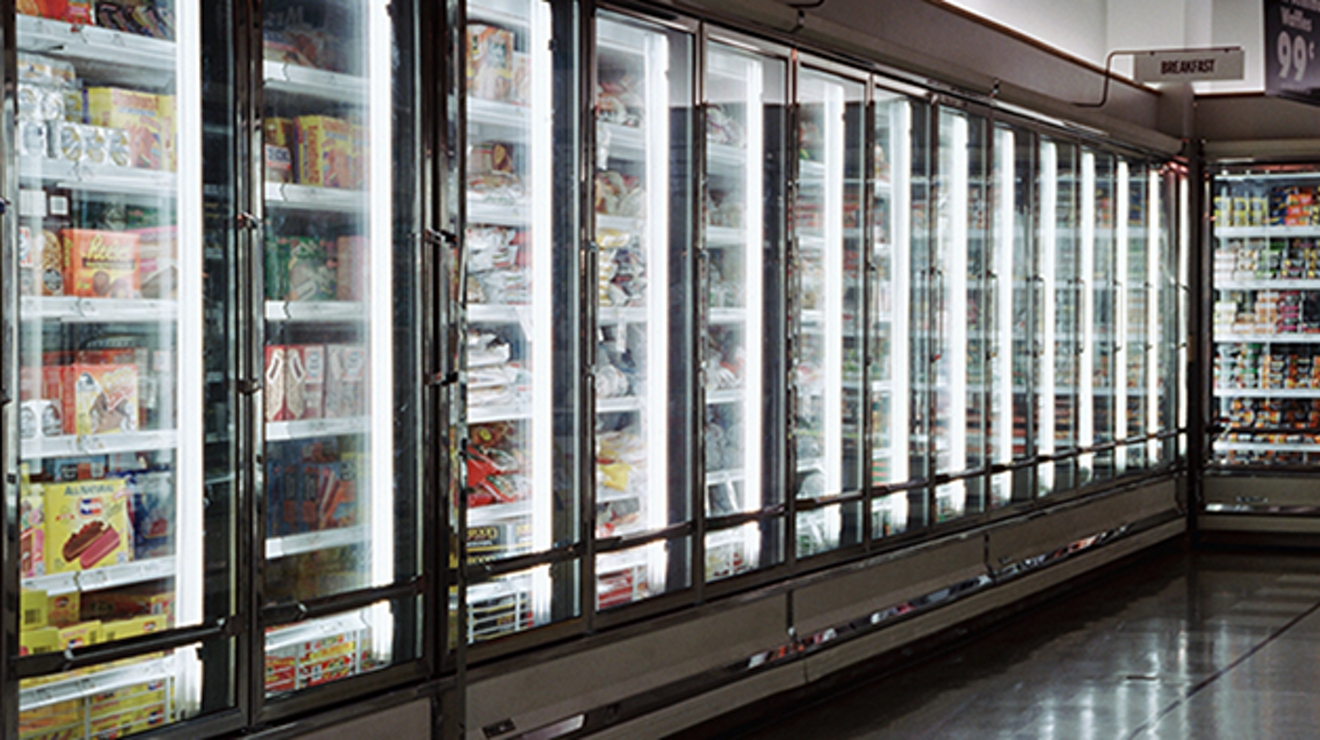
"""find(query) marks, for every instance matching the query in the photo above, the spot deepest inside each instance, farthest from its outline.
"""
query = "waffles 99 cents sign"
(1292, 28)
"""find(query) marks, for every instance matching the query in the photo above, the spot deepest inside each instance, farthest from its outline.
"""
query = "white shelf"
(728, 315)
(326, 539)
(1267, 392)
(295, 79)
(499, 120)
(109, 576)
(311, 198)
(1266, 447)
(1264, 232)
(494, 313)
(104, 179)
(1269, 284)
(315, 311)
(610, 315)
(69, 309)
(340, 624)
(97, 444)
(622, 142)
(724, 477)
(102, 681)
(625, 224)
(1296, 338)
(283, 431)
(727, 396)
(103, 54)
(497, 212)
(488, 414)
(725, 236)
(479, 516)
(618, 405)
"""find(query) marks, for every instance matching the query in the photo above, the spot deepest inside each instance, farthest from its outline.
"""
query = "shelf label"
(1291, 30)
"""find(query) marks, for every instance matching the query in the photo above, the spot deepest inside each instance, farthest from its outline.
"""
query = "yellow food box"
(38, 641)
(64, 609)
(327, 151)
(61, 720)
(123, 629)
(168, 132)
(123, 722)
(32, 604)
(136, 112)
(80, 635)
(87, 525)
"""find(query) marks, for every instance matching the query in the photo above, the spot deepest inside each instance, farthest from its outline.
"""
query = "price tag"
(1292, 28)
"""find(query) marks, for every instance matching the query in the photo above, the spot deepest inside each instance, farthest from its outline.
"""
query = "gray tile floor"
(1201, 645)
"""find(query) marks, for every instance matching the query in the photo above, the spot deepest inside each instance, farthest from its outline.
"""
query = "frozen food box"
(70, 11)
(38, 641)
(87, 525)
(152, 511)
(105, 399)
(139, 114)
(79, 635)
(32, 608)
(158, 270)
(167, 127)
(276, 368)
(326, 152)
(64, 610)
(489, 62)
(313, 269)
(101, 264)
(32, 534)
(345, 381)
(127, 603)
(351, 282)
(304, 387)
(123, 629)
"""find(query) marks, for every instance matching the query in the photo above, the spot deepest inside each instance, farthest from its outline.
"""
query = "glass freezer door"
(1099, 321)
(962, 326)
(645, 219)
(341, 399)
(519, 319)
(124, 358)
(830, 326)
(746, 152)
(1057, 386)
(1133, 250)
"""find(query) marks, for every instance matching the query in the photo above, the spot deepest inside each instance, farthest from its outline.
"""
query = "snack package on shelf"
(313, 269)
(304, 391)
(87, 525)
(64, 610)
(328, 150)
(32, 533)
(104, 399)
(492, 173)
(33, 610)
(140, 115)
(101, 264)
(276, 367)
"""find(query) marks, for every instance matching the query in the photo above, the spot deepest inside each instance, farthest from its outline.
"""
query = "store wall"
(1080, 27)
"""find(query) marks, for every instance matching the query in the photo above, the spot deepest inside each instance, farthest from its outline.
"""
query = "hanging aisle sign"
(1188, 65)
(1292, 28)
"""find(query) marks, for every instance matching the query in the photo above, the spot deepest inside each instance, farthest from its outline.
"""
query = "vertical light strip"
(657, 296)
(1121, 335)
(1003, 256)
(1184, 328)
(542, 195)
(900, 328)
(1085, 361)
(1154, 241)
(956, 316)
(832, 212)
(190, 462)
(380, 316)
(1049, 203)
(753, 274)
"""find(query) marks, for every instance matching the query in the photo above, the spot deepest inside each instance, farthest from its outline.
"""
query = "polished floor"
(1200, 645)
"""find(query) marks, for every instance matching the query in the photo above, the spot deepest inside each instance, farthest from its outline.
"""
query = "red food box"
(100, 264)
(304, 381)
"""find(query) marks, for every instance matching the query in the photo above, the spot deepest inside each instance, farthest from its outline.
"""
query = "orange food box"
(101, 264)
(138, 113)
(327, 151)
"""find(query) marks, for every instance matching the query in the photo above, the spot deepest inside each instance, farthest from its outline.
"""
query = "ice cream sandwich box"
(87, 524)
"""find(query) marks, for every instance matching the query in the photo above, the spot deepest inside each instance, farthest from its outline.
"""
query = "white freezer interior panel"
(872, 587)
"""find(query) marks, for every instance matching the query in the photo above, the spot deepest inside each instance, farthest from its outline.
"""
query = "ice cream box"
(489, 62)
(79, 635)
(101, 264)
(38, 641)
(32, 535)
(313, 269)
(326, 152)
(87, 525)
(105, 398)
(158, 272)
(32, 607)
(165, 116)
(152, 511)
(127, 603)
(64, 610)
(276, 368)
(304, 387)
(123, 629)
(139, 114)
(345, 380)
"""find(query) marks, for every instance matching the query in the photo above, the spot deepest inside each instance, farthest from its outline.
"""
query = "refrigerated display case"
(124, 330)
(1058, 381)
(829, 324)
(646, 213)
(1101, 337)
(746, 154)
(1266, 318)
(340, 400)
(1138, 251)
